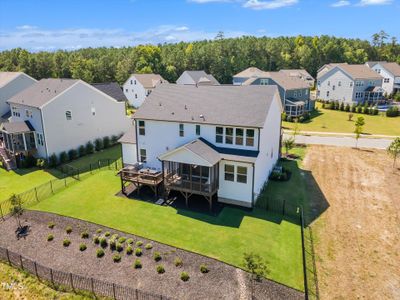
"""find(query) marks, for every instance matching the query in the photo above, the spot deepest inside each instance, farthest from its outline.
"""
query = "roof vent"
(185, 107)
(172, 113)
(202, 117)
(159, 104)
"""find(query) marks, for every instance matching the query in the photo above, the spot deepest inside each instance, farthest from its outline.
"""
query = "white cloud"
(341, 3)
(37, 39)
(374, 2)
(273, 4)
(26, 27)
(210, 1)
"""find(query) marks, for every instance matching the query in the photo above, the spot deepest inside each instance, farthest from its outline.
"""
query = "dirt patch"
(357, 234)
(221, 282)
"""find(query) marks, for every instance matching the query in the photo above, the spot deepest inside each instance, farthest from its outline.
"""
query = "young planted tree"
(288, 143)
(16, 209)
(258, 268)
(394, 150)
(358, 128)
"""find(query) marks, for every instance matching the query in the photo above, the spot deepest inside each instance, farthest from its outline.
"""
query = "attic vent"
(172, 113)
(185, 107)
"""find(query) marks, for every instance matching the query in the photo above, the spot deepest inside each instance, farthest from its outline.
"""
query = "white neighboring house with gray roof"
(390, 71)
(350, 84)
(60, 115)
(196, 78)
(220, 142)
(139, 86)
(11, 83)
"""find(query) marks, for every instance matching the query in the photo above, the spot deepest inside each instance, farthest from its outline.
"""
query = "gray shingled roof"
(245, 106)
(6, 77)
(202, 77)
(42, 92)
(112, 89)
(129, 137)
(296, 73)
(392, 67)
(359, 71)
(17, 127)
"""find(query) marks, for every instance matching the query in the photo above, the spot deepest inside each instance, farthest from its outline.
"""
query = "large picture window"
(229, 173)
(250, 137)
(219, 134)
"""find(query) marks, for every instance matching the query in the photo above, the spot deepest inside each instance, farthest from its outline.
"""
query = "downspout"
(252, 187)
(44, 135)
(137, 141)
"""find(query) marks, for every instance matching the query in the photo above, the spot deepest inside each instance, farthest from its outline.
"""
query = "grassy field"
(16, 284)
(21, 180)
(326, 120)
(225, 237)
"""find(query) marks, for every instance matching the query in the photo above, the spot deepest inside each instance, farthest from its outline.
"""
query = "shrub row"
(301, 119)
(361, 109)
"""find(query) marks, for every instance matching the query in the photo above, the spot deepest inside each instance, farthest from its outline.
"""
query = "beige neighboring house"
(11, 83)
(139, 86)
(197, 78)
(390, 71)
(301, 74)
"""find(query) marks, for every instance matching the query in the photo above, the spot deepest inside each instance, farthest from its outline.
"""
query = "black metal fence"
(64, 281)
(71, 176)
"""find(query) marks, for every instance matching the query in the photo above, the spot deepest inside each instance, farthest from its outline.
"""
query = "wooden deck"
(139, 178)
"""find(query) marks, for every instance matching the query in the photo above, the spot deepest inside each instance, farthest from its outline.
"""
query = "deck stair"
(8, 163)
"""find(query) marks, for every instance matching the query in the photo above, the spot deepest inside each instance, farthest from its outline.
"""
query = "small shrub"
(203, 269)
(116, 258)
(185, 276)
(392, 112)
(50, 237)
(347, 108)
(122, 240)
(115, 236)
(89, 148)
(106, 142)
(119, 247)
(139, 243)
(72, 154)
(148, 246)
(129, 250)
(114, 139)
(68, 229)
(113, 244)
(63, 157)
(41, 163)
(98, 144)
(98, 231)
(178, 262)
(160, 269)
(96, 240)
(82, 247)
(137, 264)
(138, 252)
(81, 151)
(157, 256)
(85, 234)
(51, 225)
(359, 109)
(100, 253)
(103, 242)
(53, 161)
(66, 243)
(129, 241)
(107, 234)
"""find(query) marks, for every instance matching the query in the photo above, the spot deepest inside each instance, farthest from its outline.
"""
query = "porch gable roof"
(17, 127)
(196, 152)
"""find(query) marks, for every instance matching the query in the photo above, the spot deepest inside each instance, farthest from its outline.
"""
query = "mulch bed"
(221, 282)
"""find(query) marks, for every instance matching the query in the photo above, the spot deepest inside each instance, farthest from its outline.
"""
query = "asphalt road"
(342, 141)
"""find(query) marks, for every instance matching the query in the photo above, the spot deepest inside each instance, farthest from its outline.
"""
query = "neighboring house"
(139, 86)
(349, 84)
(300, 73)
(11, 83)
(197, 78)
(220, 142)
(294, 92)
(55, 115)
(112, 89)
(390, 71)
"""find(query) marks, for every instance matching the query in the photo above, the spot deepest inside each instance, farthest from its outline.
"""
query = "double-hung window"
(229, 172)
(142, 128)
(219, 134)
(229, 135)
(250, 137)
(181, 130)
(239, 136)
(198, 130)
(143, 155)
(68, 115)
(241, 174)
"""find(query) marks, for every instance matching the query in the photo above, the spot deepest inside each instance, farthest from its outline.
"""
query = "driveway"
(341, 141)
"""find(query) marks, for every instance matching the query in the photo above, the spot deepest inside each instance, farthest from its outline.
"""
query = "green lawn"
(21, 180)
(225, 237)
(326, 120)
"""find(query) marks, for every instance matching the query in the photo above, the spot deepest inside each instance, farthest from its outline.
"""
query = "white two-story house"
(294, 91)
(11, 83)
(196, 78)
(139, 86)
(390, 71)
(220, 142)
(55, 115)
(350, 84)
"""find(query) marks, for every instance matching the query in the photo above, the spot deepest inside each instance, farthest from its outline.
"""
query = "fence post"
(8, 257)
(51, 187)
(37, 199)
(116, 165)
(92, 286)
(51, 276)
(113, 286)
(36, 272)
(90, 168)
(1, 212)
(20, 261)
(108, 162)
(65, 181)
(72, 282)
(303, 254)
(283, 210)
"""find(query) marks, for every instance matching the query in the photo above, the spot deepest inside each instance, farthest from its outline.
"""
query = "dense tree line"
(222, 57)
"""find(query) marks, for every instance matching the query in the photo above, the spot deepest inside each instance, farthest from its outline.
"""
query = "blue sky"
(71, 24)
